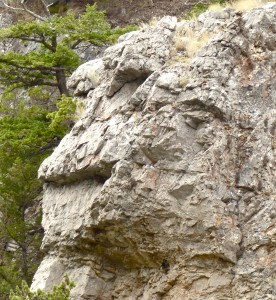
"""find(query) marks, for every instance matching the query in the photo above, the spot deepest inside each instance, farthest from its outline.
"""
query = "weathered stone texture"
(165, 188)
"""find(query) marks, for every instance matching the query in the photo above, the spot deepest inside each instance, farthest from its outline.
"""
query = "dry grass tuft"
(244, 5)
(192, 43)
(240, 5)
(153, 22)
(189, 41)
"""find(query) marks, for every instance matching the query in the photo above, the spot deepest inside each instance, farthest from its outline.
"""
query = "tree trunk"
(25, 266)
(62, 83)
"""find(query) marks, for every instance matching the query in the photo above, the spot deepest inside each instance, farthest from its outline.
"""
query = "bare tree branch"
(46, 8)
(11, 7)
(32, 13)
(25, 9)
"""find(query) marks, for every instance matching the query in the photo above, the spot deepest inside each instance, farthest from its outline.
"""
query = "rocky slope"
(165, 188)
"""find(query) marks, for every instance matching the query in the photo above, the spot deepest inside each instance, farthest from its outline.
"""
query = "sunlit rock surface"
(165, 187)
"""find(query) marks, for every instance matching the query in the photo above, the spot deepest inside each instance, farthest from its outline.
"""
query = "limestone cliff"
(165, 187)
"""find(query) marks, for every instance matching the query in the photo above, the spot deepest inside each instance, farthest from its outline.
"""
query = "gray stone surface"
(165, 187)
(86, 77)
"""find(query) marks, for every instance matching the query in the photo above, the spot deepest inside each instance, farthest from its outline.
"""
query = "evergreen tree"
(26, 138)
(54, 55)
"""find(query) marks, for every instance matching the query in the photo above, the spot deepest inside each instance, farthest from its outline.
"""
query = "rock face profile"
(165, 187)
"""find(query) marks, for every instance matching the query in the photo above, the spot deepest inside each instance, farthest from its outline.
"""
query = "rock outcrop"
(165, 188)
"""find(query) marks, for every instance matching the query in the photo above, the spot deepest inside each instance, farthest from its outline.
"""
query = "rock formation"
(165, 187)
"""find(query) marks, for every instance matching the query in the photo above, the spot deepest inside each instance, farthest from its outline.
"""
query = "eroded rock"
(165, 188)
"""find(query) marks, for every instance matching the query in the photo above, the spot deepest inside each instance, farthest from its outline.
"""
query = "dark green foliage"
(26, 138)
(61, 119)
(59, 292)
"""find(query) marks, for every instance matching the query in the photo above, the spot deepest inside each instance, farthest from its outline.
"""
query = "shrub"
(59, 292)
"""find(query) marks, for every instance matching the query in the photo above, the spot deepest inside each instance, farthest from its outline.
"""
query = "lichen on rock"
(165, 187)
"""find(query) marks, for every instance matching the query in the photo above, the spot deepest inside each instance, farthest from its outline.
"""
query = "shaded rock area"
(122, 12)
(119, 12)
(165, 187)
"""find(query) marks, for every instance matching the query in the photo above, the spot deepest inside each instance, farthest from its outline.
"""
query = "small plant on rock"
(59, 292)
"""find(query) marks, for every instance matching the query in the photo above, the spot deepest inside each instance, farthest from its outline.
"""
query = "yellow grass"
(189, 41)
(194, 43)
(153, 22)
(241, 5)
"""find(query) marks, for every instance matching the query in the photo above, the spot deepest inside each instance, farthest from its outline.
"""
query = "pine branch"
(40, 41)
(46, 70)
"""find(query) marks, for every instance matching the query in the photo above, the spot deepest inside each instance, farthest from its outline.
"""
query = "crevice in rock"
(121, 81)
